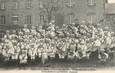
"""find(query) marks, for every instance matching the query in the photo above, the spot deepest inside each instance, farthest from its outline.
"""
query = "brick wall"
(79, 10)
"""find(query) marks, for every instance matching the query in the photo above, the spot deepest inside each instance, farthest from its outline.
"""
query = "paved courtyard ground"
(58, 65)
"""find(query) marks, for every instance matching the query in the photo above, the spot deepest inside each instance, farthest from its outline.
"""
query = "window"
(28, 4)
(15, 5)
(91, 17)
(41, 5)
(91, 2)
(15, 19)
(2, 6)
(28, 19)
(54, 1)
(71, 17)
(3, 19)
(70, 3)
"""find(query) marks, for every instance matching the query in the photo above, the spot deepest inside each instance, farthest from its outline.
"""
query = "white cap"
(73, 23)
(82, 41)
(109, 34)
(25, 26)
(50, 23)
(53, 21)
(33, 27)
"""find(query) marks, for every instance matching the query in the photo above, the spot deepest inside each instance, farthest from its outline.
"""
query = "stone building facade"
(38, 12)
(110, 15)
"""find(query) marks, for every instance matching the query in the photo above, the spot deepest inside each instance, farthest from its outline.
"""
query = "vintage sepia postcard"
(57, 36)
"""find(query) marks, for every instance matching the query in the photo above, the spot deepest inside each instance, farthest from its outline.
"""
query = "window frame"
(15, 5)
(28, 19)
(91, 2)
(15, 19)
(28, 4)
(3, 19)
(2, 5)
(91, 17)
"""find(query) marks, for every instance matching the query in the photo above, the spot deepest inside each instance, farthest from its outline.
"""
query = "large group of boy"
(76, 40)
